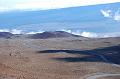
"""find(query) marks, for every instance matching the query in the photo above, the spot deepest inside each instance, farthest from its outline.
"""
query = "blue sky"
(6, 5)
(109, 15)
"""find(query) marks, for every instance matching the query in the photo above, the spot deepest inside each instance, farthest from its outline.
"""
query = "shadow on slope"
(111, 54)
(5, 35)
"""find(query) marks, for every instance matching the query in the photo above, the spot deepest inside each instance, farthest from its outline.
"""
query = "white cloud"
(113, 15)
(117, 15)
(84, 34)
(100, 35)
(106, 13)
(15, 31)
(114, 34)
(31, 33)
(89, 34)
(50, 4)
(69, 31)
(4, 30)
(35, 32)
(93, 35)
(2, 9)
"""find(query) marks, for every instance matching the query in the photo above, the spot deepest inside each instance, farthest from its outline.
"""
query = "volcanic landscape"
(58, 55)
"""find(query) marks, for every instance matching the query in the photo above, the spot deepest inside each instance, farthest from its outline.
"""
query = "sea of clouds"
(93, 34)
(81, 33)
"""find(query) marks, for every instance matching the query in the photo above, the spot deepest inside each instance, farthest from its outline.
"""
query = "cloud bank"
(93, 35)
(13, 31)
(47, 4)
(83, 33)
(99, 35)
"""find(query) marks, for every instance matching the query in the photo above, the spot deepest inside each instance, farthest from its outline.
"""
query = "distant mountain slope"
(72, 15)
(5, 35)
(55, 34)
(44, 35)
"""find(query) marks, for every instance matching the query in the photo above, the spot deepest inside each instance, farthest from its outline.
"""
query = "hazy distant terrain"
(59, 58)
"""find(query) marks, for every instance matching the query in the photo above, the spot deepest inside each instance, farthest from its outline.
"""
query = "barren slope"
(57, 58)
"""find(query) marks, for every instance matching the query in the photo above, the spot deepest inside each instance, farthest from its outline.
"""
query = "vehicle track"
(100, 75)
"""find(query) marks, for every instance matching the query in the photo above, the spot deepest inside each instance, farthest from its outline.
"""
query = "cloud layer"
(6, 5)
(94, 35)
(13, 31)
(83, 33)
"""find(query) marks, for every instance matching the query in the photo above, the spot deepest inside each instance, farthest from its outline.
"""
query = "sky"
(7, 5)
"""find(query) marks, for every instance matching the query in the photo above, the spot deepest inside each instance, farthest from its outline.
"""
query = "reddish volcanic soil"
(58, 58)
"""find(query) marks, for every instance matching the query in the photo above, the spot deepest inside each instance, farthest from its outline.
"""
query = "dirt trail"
(101, 75)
